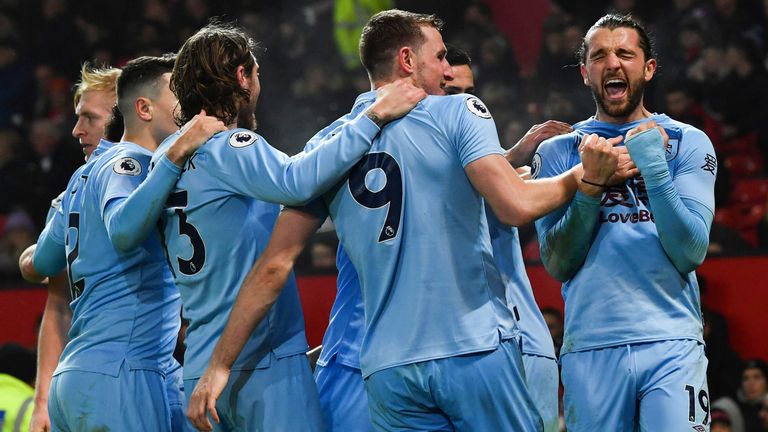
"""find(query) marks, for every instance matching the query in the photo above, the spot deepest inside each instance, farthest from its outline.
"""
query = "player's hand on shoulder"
(194, 134)
(393, 101)
(599, 160)
(204, 396)
(538, 133)
(526, 146)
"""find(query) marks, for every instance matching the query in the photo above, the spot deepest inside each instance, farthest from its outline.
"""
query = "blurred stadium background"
(712, 56)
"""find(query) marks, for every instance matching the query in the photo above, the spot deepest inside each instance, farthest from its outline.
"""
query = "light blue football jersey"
(628, 290)
(125, 307)
(216, 225)
(505, 242)
(346, 325)
(416, 231)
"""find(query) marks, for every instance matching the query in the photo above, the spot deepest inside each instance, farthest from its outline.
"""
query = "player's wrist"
(376, 118)
(592, 188)
(177, 155)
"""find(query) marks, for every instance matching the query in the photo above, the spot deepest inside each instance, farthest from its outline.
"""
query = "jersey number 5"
(177, 201)
(391, 193)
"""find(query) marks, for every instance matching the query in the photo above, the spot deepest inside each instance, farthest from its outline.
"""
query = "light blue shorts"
(282, 397)
(656, 386)
(543, 379)
(174, 384)
(342, 398)
(483, 391)
(135, 400)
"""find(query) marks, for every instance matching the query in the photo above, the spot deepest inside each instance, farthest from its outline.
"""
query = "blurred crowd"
(712, 74)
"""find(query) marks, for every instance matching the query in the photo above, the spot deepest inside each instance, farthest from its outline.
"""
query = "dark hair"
(140, 73)
(388, 31)
(205, 73)
(115, 125)
(614, 21)
(457, 56)
(757, 364)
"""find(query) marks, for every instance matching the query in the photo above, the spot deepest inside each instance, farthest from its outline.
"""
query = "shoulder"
(684, 138)
(553, 154)
(237, 138)
(564, 143)
(331, 130)
(465, 103)
(124, 159)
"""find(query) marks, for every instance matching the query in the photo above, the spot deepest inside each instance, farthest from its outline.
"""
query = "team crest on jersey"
(536, 166)
(673, 144)
(242, 139)
(127, 166)
(477, 108)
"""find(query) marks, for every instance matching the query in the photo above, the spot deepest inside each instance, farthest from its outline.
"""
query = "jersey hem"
(495, 345)
(630, 342)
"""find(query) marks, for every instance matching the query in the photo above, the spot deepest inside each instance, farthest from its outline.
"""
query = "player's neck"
(638, 114)
(376, 84)
(142, 137)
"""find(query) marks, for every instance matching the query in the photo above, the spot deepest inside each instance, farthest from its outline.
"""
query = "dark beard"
(636, 90)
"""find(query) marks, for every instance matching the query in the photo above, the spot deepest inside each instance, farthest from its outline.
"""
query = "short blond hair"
(96, 79)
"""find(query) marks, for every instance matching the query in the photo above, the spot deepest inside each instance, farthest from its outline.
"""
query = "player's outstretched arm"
(57, 317)
(129, 220)
(516, 202)
(298, 179)
(258, 293)
(522, 152)
(682, 223)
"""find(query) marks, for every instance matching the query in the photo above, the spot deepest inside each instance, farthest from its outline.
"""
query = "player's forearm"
(49, 257)
(26, 267)
(130, 220)
(309, 174)
(541, 197)
(682, 225)
(57, 318)
(259, 292)
(564, 242)
(520, 154)
(264, 283)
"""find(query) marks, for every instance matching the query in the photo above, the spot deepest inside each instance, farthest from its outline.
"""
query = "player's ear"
(143, 108)
(406, 60)
(242, 79)
(584, 74)
(650, 69)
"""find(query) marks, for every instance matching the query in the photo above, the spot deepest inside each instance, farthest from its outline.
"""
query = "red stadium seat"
(744, 218)
(744, 165)
(746, 143)
(750, 191)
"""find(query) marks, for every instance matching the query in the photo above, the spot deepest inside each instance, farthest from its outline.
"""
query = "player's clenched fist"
(647, 144)
(599, 160)
(394, 100)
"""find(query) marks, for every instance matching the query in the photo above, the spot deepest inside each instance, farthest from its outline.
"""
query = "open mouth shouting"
(615, 89)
